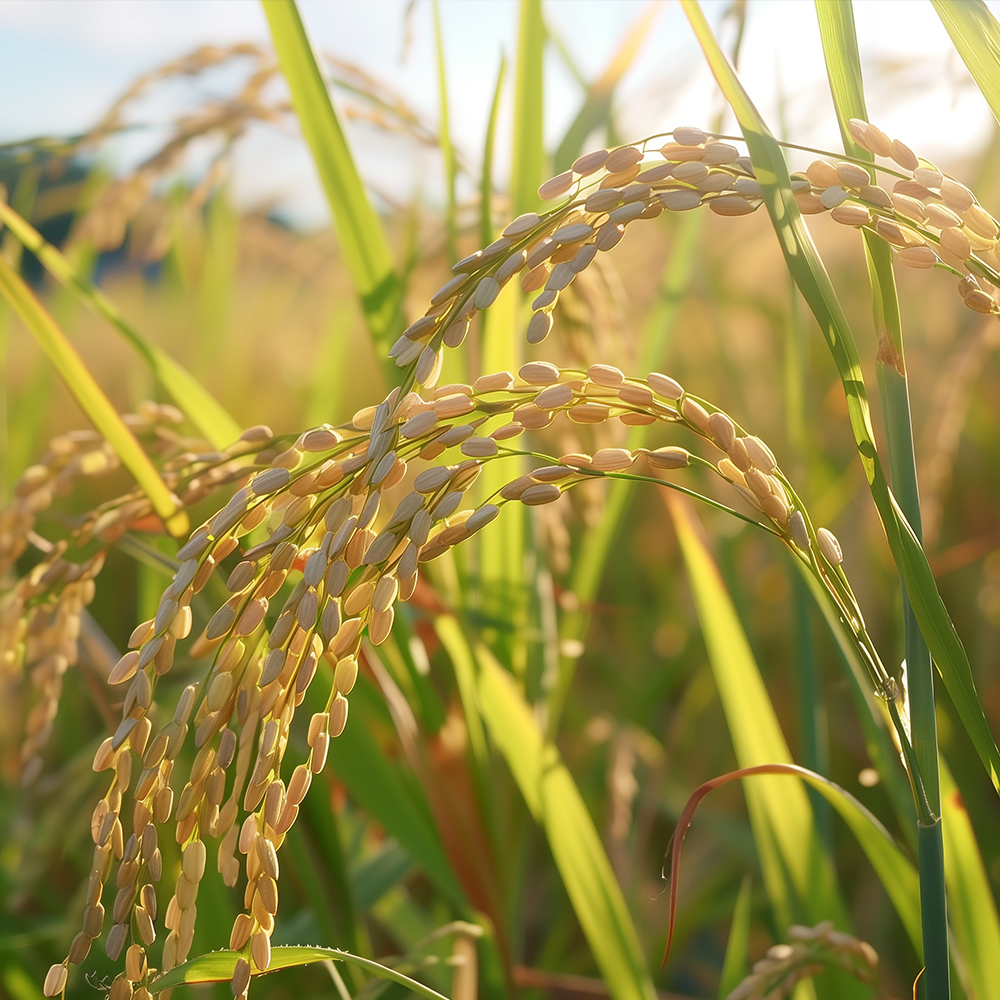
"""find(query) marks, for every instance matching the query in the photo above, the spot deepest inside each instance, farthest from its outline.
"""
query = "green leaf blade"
(366, 250)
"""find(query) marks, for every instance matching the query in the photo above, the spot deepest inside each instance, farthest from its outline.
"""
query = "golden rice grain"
(917, 256)
(680, 201)
(664, 385)
(730, 205)
(929, 177)
(55, 981)
(695, 414)
(590, 163)
(554, 396)
(621, 177)
(833, 196)
(539, 493)
(612, 459)
(851, 215)
(670, 457)
(955, 242)
(556, 186)
(720, 153)
(904, 156)
(241, 977)
(338, 717)
(980, 301)
(722, 430)
(522, 224)
(829, 546)
(941, 217)
(980, 222)
(822, 174)
(609, 236)
(622, 158)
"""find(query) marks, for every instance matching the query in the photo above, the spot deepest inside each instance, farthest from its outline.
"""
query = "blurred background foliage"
(265, 315)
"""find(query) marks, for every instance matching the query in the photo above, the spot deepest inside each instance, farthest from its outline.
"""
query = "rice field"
(378, 604)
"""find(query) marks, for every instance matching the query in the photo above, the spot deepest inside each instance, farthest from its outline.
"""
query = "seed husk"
(554, 396)
(822, 174)
(829, 546)
(695, 413)
(981, 222)
(556, 186)
(929, 177)
(538, 373)
(760, 454)
(722, 430)
(851, 215)
(55, 980)
(620, 178)
(833, 196)
(609, 236)
(851, 175)
(917, 256)
(612, 459)
(730, 205)
(980, 301)
(606, 375)
(670, 457)
(241, 977)
(664, 385)
(539, 493)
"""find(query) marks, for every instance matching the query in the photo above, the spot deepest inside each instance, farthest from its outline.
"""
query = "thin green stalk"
(836, 21)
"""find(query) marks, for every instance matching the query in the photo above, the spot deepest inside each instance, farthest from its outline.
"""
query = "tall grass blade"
(198, 404)
(528, 167)
(810, 275)
(218, 966)
(797, 872)
(362, 239)
(975, 34)
(596, 110)
(486, 180)
(555, 802)
(91, 398)
(972, 911)
(444, 141)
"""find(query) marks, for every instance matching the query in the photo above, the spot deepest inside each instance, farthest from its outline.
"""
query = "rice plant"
(358, 644)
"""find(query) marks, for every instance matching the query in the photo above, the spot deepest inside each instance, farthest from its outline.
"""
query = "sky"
(62, 63)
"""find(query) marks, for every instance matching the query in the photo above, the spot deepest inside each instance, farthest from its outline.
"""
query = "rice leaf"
(810, 275)
(972, 911)
(197, 403)
(797, 871)
(486, 180)
(975, 33)
(218, 966)
(444, 140)
(596, 110)
(555, 802)
(362, 239)
(105, 418)
(528, 167)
